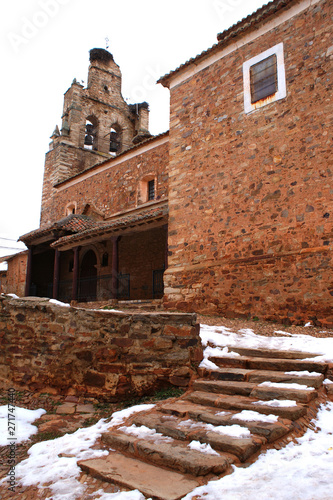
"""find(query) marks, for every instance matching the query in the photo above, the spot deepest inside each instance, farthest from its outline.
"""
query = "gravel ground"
(263, 327)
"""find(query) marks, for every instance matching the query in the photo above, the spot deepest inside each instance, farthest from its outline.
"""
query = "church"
(230, 212)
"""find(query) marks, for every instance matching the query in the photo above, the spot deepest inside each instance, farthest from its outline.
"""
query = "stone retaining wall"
(106, 354)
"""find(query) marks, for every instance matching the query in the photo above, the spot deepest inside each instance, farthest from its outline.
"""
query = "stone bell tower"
(97, 124)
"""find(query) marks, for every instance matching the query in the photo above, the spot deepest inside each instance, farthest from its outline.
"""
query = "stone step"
(271, 353)
(224, 402)
(224, 386)
(172, 454)
(152, 481)
(241, 447)
(271, 364)
(312, 379)
(234, 374)
(295, 393)
(269, 430)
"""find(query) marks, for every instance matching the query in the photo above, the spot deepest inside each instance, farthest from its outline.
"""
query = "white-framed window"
(264, 78)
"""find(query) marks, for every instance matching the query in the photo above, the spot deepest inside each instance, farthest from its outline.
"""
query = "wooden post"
(166, 248)
(75, 273)
(56, 274)
(29, 273)
(114, 283)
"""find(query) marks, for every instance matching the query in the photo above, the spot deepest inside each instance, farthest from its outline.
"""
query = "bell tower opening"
(115, 140)
(90, 137)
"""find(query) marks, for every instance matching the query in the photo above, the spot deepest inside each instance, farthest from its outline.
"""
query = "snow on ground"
(254, 416)
(58, 303)
(55, 461)
(143, 432)
(202, 447)
(303, 470)
(286, 386)
(304, 373)
(19, 421)
(234, 430)
(300, 471)
(277, 403)
(246, 338)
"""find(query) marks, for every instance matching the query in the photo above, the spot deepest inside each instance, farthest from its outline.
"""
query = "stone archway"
(88, 277)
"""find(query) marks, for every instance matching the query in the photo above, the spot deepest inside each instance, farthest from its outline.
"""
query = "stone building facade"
(12, 279)
(103, 232)
(242, 183)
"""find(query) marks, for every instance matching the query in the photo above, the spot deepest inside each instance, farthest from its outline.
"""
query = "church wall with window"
(250, 212)
(113, 186)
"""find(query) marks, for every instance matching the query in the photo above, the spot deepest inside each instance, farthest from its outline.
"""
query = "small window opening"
(151, 190)
(263, 79)
(71, 209)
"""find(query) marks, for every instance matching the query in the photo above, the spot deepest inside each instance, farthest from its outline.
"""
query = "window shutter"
(263, 79)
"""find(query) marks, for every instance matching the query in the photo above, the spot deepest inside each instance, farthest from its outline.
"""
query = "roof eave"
(228, 36)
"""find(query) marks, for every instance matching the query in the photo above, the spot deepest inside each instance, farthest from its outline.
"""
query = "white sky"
(45, 44)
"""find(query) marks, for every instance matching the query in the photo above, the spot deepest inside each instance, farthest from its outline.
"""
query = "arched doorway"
(88, 277)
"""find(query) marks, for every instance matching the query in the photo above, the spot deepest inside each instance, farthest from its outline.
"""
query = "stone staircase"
(140, 305)
(250, 402)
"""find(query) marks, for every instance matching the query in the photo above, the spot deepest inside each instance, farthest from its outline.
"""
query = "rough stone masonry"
(100, 353)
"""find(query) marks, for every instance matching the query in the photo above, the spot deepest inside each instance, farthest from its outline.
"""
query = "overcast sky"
(46, 43)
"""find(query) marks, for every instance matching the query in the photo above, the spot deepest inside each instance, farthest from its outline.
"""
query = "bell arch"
(115, 139)
(91, 133)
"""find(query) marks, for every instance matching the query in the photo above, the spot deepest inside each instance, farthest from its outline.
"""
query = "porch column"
(75, 273)
(29, 273)
(56, 274)
(114, 282)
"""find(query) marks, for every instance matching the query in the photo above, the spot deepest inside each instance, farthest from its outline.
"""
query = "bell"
(89, 129)
(88, 140)
(114, 146)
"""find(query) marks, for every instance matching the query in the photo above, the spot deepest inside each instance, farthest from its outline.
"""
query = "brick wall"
(104, 354)
(250, 195)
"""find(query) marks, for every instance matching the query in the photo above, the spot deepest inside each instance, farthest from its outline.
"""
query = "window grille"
(151, 190)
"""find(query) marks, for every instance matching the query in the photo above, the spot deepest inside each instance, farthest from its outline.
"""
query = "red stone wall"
(251, 195)
(113, 190)
(63, 161)
(14, 281)
(139, 255)
(104, 354)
